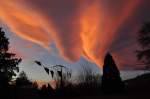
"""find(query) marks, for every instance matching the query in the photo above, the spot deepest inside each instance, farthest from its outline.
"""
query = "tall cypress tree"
(111, 80)
(8, 61)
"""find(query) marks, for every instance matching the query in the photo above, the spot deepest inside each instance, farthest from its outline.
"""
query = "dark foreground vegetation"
(135, 88)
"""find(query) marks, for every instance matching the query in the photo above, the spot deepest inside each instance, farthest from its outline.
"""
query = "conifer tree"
(8, 61)
(111, 80)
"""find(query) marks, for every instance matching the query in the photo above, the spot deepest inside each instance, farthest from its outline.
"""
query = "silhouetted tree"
(43, 91)
(23, 80)
(35, 85)
(8, 61)
(144, 42)
(50, 90)
(111, 80)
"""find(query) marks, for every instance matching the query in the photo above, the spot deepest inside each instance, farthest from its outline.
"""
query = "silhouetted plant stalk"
(61, 74)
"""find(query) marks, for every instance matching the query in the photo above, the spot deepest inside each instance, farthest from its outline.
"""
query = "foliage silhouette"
(8, 63)
(47, 91)
(35, 85)
(87, 84)
(88, 80)
(144, 41)
(22, 80)
(111, 80)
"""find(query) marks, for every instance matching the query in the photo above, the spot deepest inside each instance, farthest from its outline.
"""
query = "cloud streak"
(78, 27)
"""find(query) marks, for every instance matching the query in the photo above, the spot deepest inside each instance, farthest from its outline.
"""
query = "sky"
(70, 32)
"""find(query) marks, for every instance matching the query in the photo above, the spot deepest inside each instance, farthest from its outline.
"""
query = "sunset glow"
(83, 28)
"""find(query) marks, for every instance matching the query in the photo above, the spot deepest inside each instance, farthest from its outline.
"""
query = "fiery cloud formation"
(23, 22)
(78, 27)
(98, 32)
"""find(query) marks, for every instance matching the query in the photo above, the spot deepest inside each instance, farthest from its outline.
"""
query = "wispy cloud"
(76, 26)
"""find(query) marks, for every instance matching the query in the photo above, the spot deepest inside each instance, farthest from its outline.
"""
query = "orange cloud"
(98, 34)
(24, 23)
(78, 27)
